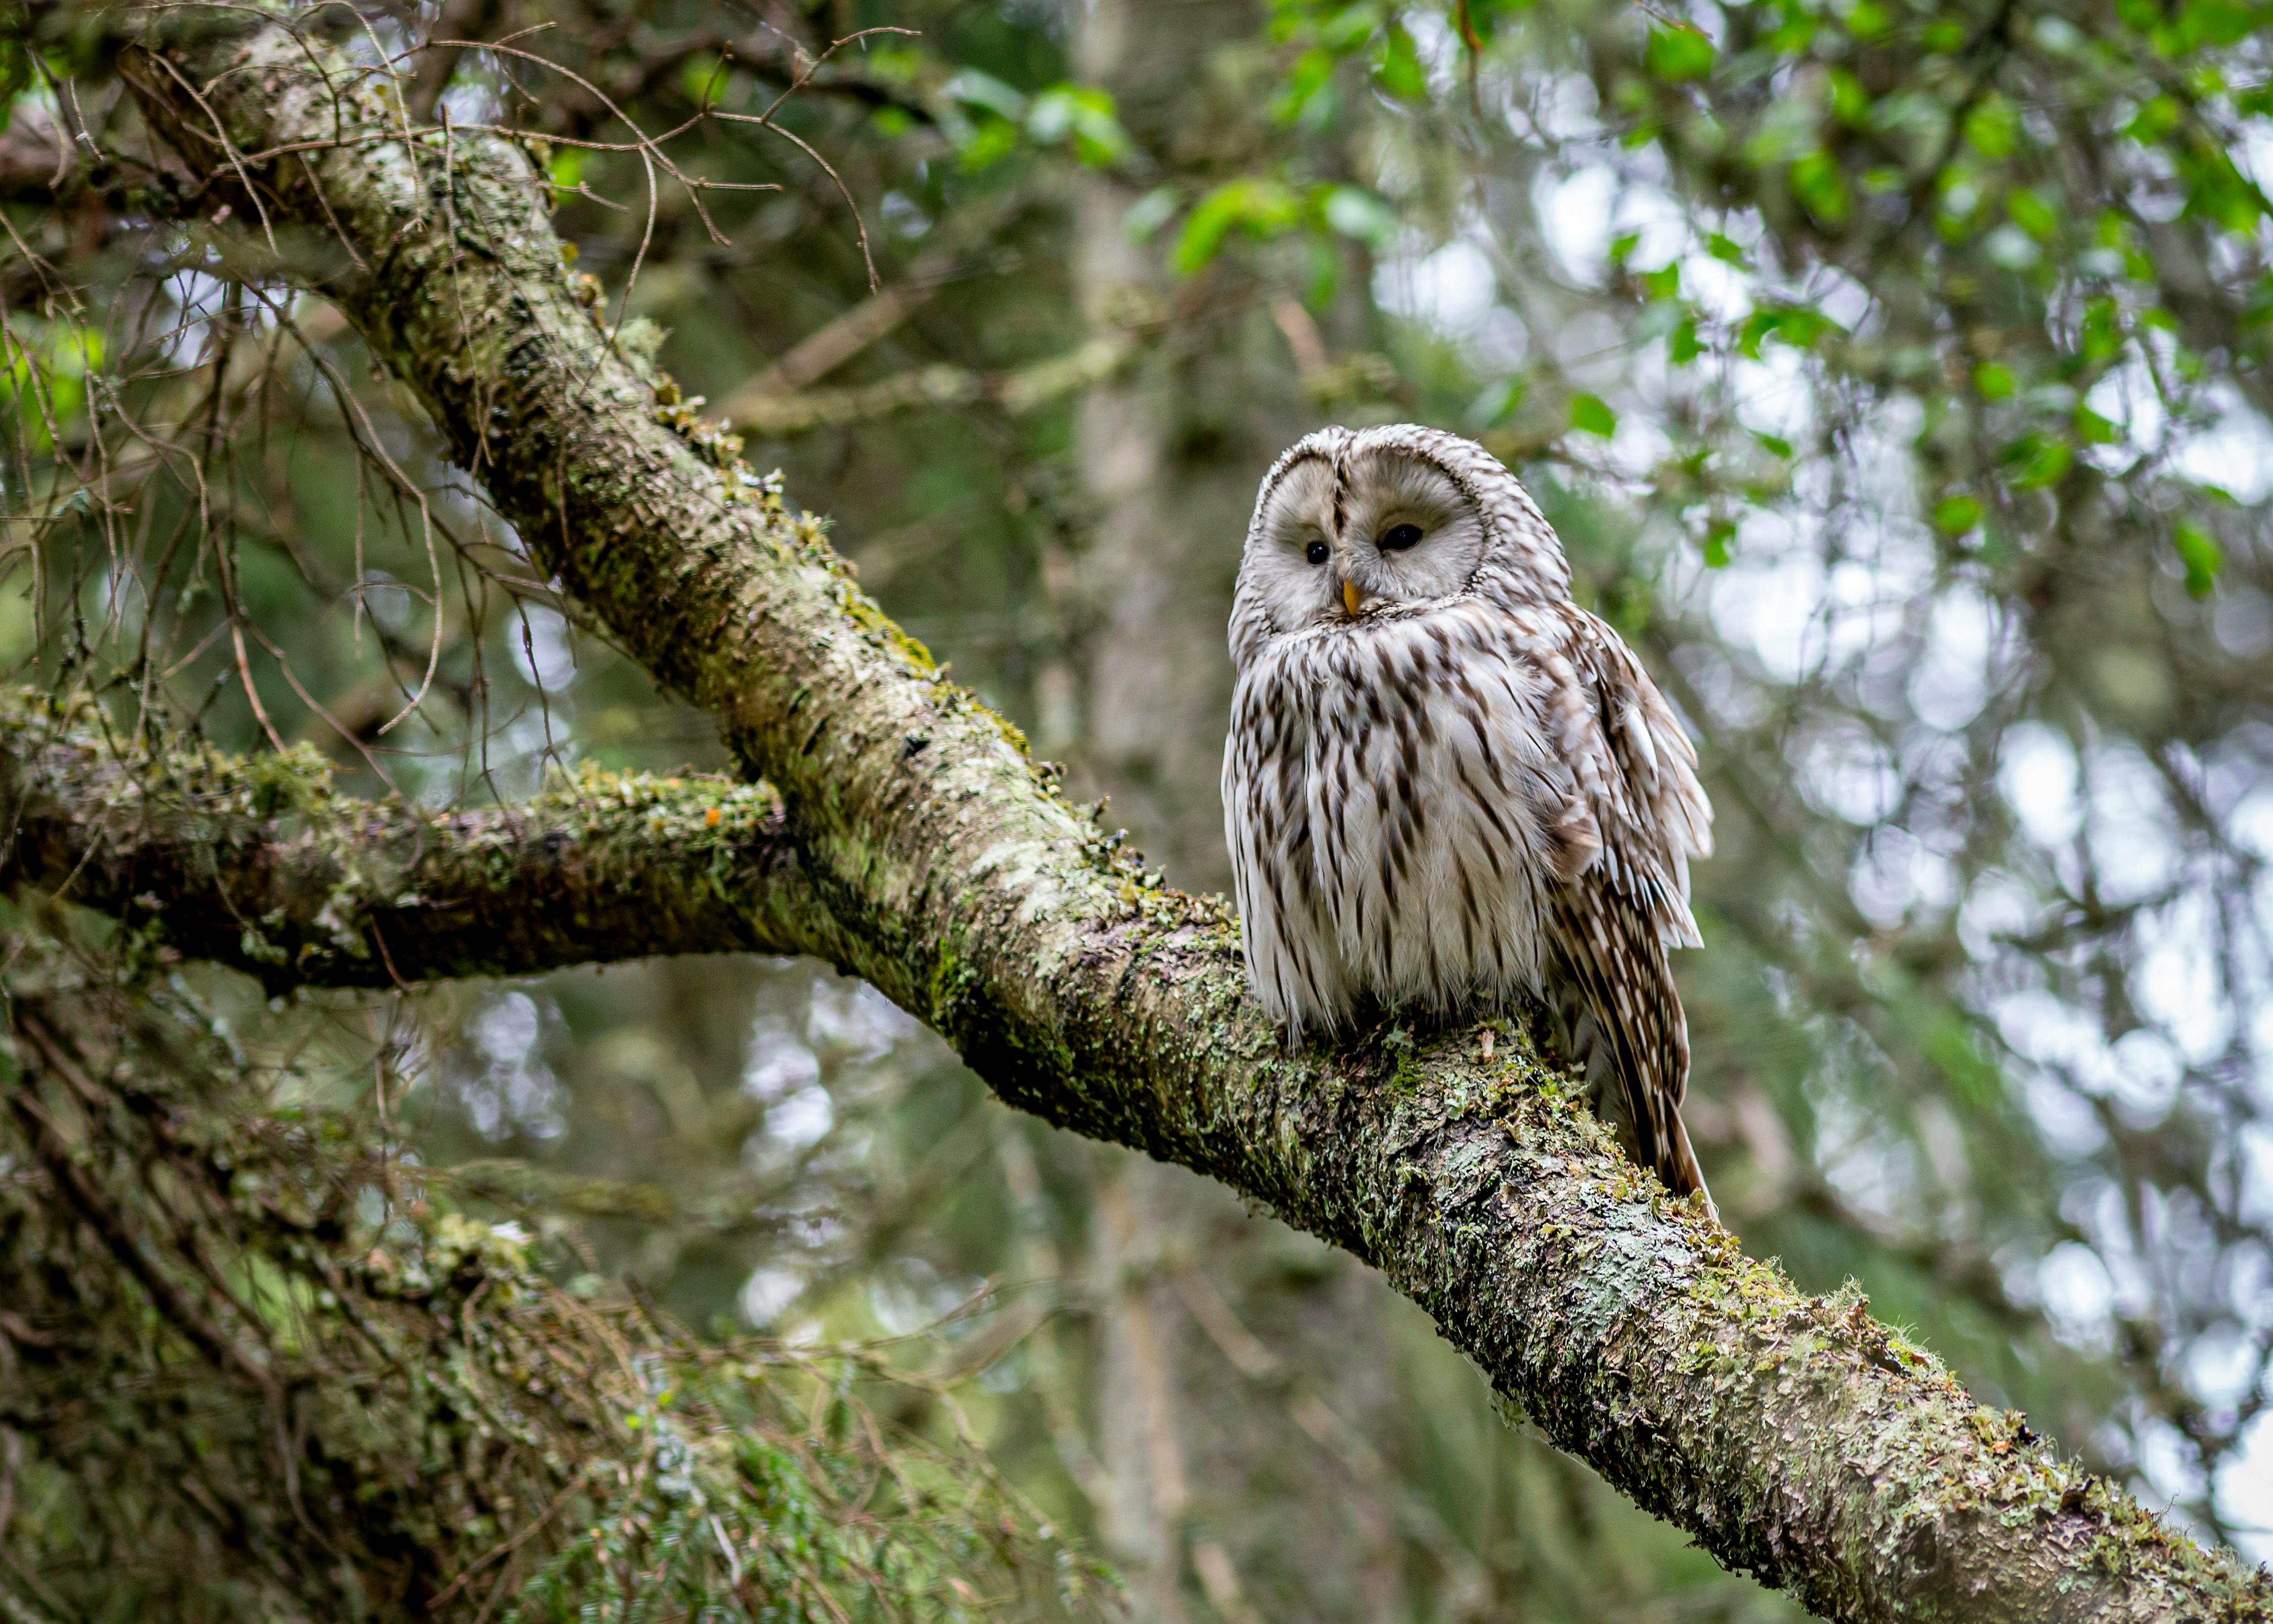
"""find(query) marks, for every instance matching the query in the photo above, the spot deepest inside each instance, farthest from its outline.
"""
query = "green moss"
(296, 779)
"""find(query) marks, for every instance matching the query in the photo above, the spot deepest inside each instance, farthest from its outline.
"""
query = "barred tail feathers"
(1686, 1175)
(1621, 1013)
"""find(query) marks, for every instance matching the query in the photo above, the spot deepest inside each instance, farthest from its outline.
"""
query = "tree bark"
(1794, 1436)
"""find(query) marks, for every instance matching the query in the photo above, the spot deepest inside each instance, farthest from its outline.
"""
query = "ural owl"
(1445, 782)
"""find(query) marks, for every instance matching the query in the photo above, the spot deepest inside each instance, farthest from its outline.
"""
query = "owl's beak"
(1350, 597)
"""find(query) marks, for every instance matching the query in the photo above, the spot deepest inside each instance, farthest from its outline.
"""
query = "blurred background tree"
(1893, 372)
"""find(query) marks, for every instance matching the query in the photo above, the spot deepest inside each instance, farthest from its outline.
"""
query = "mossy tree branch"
(258, 865)
(1795, 1437)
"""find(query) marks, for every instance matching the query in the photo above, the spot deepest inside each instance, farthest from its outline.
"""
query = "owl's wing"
(1637, 772)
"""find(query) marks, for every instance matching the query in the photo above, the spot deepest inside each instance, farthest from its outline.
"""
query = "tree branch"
(255, 863)
(756, 409)
(1794, 1436)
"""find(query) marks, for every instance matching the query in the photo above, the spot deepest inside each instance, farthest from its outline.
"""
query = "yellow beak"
(1349, 597)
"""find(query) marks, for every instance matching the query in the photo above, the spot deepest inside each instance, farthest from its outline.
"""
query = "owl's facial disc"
(1410, 534)
(1293, 561)
(1337, 544)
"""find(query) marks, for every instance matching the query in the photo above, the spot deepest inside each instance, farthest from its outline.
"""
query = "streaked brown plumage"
(1446, 784)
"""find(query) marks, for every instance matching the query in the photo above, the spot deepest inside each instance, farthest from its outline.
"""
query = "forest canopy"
(503, 991)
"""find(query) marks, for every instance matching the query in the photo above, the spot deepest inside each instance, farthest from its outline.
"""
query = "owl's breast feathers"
(1398, 809)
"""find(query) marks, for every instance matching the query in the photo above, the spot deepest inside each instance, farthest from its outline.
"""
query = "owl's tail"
(1621, 1012)
(1685, 1175)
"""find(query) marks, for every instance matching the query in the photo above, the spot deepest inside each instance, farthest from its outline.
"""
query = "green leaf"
(1260, 208)
(1322, 273)
(1775, 443)
(2093, 429)
(1351, 28)
(1866, 19)
(991, 140)
(1682, 345)
(1589, 414)
(2042, 459)
(1663, 283)
(2218, 192)
(1850, 101)
(1793, 35)
(1956, 515)
(1993, 127)
(1309, 75)
(1797, 327)
(1085, 113)
(1202, 237)
(2032, 215)
(2218, 22)
(2201, 555)
(2153, 121)
(1955, 1047)
(984, 91)
(1726, 250)
(703, 77)
(1816, 181)
(2102, 336)
(1621, 247)
(1398, 69)
(1717, 537)
(1510, 402)
(1992, 382)
(1678, 53)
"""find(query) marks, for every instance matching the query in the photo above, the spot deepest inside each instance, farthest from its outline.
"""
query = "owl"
(1446, 785)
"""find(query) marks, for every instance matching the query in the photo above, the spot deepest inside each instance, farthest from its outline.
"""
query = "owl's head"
(1351, 525)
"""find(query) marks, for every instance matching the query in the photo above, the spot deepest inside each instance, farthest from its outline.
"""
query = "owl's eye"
(1316, 552)
(1399, 537)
